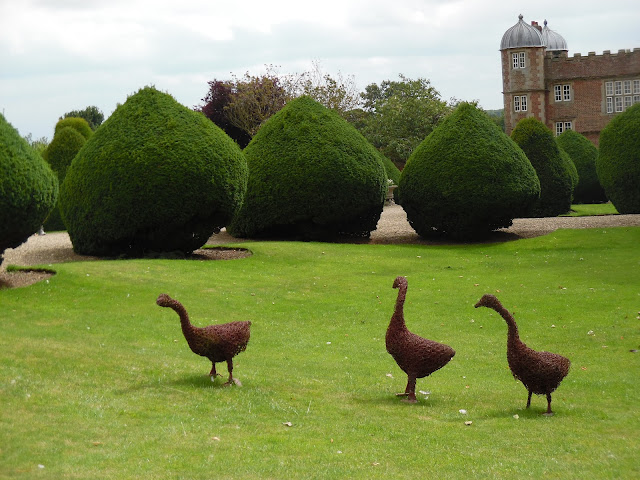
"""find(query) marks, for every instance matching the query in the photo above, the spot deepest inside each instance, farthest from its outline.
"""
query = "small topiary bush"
(466, 179)
(77, 123)
(155, 177)
(312, 175)
(584, 154)
(554, 172)
(28, 188)
(63, 148)
(618, 164)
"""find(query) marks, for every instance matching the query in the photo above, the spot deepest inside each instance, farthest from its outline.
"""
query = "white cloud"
(60, 55)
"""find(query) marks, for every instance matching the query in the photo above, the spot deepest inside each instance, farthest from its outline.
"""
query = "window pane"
(523, 102)
(609, 104)
(567, 92)
(618, 88)
(558, 92)
(515, 60)
(627, 102)
(636, 86)
(516, 103)
(627, 87)
(567, 126)
(521, 59)
(636, 99)
(558, 128)
(618, 104)
(608, 87)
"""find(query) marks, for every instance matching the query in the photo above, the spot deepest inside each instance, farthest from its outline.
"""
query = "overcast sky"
(63, 55)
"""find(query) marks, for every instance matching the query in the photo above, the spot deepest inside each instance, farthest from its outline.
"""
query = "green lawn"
(96, 381)
(585, 210)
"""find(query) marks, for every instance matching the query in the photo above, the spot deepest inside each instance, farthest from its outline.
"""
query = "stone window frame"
(562, 92)
(520, 103)
(518, 60)
(563, 127)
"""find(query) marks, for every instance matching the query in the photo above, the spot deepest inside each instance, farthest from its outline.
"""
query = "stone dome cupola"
(553, 40)
(522, 35)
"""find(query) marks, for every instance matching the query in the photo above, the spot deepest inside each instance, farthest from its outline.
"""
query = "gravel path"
(393, 228)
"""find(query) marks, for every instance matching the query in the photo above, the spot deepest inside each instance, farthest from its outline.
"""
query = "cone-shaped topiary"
(77, 123)
(312, 175)
(584, 154)
(28, 188)
(66, 143)
(466, 178)
(618, 163)
(155, 177)
(556, 184)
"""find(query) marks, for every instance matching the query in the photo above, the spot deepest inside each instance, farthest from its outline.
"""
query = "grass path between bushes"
(96, 381)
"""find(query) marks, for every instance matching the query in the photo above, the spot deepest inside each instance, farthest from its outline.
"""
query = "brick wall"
(586, 76)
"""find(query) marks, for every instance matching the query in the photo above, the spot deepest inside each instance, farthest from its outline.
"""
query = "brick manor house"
(582, 93)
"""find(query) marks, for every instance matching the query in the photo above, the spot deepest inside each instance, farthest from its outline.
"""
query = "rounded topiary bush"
(466, 178)
(155, 177)
(77, 123)
(618, 164)
(312, 175)
(66, 143)
(554, 171)
(584, 154)
(28, 188)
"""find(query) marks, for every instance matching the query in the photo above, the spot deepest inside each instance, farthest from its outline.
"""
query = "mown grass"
(98, 382)
(586, 210)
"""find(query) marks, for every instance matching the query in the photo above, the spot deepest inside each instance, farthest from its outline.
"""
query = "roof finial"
(545, 22)
(520, 17)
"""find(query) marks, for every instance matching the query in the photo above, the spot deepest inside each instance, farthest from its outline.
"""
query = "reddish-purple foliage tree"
(218, 97)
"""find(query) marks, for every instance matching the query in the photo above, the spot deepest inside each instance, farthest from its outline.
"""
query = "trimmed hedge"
(28, 188)
(312, 175)
(584, 154)
(77, 123)
(466, 178)
(63, 148)
(554, 173)
(618, 164)
(155, 177)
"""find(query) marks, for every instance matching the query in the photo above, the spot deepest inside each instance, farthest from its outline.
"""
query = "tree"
(311, 176)
(556, 182)
(398, 115)
(338, 94)
(28, 188)
(240, 106)
(466, 178)
(215, 102)
(155, 177)
(583, 153)
(93, 115)
(618, 164)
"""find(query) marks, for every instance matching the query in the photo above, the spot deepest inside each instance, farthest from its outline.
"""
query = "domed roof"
(521, 35)
(553, 40)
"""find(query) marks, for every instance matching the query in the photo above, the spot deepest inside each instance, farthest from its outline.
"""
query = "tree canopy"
(93, 115)
(399, 114)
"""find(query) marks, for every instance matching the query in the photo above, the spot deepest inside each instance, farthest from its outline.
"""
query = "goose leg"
(213, 373)
(529, 399)
(410, 391)
(549, 412)
(230, 368)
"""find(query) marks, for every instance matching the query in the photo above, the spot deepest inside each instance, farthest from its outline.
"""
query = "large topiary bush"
(466, 178)
(553, 170)
(584, 154)
(77, 123)
(28, 188)
(618, 164)
(155, 177)
(312, 175)
(66, 143)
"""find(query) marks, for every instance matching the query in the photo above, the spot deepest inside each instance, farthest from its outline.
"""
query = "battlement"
(592, 55)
